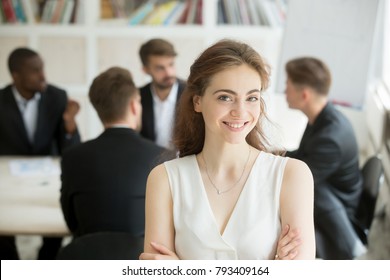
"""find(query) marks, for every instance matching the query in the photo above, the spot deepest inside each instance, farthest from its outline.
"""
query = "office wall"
(342, 34)
(386, 47)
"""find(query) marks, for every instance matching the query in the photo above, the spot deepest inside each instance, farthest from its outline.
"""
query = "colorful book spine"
(57, 12)
(141, 13)
(19, 12)
(175, 14)
(160, 13)
(31, 10)
(9, 11)
(67, 12)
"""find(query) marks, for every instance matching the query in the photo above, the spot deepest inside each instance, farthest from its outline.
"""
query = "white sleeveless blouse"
(254, 226)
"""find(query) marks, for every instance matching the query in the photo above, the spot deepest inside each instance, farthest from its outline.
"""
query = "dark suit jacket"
(148, 130)
(330, 150)
(50, 137)
(104, 180)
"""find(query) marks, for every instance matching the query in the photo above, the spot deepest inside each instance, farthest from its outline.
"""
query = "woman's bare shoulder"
(158, 177)
(298, 167)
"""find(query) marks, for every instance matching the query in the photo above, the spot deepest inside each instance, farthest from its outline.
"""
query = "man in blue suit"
(329, 148)
(36, 119)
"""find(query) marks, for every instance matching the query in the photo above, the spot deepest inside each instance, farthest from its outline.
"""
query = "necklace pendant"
(219, 192)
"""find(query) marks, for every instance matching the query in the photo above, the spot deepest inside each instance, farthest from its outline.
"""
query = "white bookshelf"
(75, 53)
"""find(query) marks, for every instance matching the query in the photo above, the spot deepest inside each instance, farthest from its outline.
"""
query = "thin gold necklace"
(219, 191)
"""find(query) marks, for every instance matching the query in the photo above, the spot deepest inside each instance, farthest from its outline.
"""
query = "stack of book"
(153, 12)
(32, 11)
(252, 12)
(117, 9)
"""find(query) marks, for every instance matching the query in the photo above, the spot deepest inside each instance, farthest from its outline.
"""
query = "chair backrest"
(372, 173)
(103, 246)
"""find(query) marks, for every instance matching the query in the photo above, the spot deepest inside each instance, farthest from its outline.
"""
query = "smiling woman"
(231, 104)
(227, 197)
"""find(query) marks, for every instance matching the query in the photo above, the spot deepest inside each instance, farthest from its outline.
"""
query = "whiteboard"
(339, 32)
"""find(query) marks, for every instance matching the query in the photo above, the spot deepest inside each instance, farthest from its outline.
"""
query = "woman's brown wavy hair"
(189, 128)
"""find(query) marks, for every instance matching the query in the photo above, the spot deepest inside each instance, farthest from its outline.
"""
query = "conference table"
(29, 197)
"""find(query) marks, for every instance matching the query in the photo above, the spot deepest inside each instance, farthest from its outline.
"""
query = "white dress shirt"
(164, 113)
(29, 111)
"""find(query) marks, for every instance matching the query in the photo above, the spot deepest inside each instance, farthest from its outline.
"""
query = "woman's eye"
(253, 98)
(224, 98)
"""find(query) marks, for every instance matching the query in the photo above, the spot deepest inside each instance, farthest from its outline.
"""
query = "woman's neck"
(226, 156)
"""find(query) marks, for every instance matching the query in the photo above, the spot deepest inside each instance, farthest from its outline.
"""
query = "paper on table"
(33, 167)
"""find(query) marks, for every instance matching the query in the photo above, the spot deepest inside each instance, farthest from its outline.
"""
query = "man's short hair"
(156, 46)
(17, 58)
(311, 72)
(110, 93)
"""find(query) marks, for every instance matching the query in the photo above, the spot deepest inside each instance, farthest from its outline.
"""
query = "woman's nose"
(237, 109)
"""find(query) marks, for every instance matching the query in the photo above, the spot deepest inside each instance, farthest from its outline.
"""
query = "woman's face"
(231, 104)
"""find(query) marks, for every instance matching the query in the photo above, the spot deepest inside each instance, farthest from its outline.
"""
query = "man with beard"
(36, 119)
(159, 97)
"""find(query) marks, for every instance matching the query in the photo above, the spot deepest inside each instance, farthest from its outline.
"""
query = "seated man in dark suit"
(160, 96)
(329, 148)
(36, 119)
(104, 179)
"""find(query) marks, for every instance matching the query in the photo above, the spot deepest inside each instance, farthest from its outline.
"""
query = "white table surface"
(30, 204)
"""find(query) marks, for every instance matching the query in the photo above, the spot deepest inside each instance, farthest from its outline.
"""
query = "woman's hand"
(288, 244)
(163, 253)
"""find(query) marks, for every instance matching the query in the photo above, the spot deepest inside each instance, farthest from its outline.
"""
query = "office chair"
(103, 246)
(372, 173)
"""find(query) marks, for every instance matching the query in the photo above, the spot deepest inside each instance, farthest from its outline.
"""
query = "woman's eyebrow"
(235, 93)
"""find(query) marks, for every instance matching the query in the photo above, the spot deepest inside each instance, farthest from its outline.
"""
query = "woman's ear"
(197, 103)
